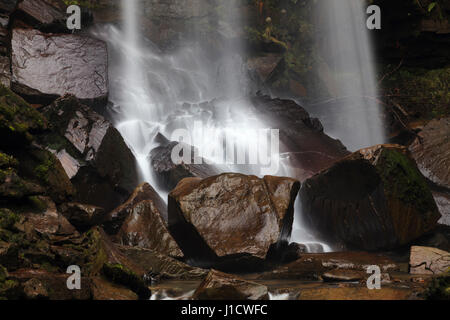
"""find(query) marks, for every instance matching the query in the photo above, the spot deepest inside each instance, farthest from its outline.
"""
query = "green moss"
(439, 288)
(17, 119)
(7, 161)
(404, 181)
(122, 275)
(8, 218)
(421, 92)
(38, 203)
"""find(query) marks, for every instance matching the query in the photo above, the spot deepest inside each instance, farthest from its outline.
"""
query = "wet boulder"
(373, 199)
(231, 215)
(431, 150)
(93, 153)
(142, 222)
(221, 286)
(144, 192)
(46, 66)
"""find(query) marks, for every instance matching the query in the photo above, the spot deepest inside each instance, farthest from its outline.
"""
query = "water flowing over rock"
(231, 215)
(426, 260)
(431, 150)
(221, 286)
(93, 152)
(45, 66)
(309, 148)
(376, 198)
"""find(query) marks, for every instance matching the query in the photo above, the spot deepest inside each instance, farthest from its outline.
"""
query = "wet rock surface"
(45, 66)
(45, 14)
(221, 286)
(373, 199)
(143, 192)
(231, 215)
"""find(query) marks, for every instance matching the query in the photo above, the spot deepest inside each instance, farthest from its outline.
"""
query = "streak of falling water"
(353, 115)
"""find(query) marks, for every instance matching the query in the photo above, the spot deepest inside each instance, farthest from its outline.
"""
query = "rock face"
(426, 260)
(221, 286)
(92, 152)
(376, 198)
(431, 150)
(231, 215)
(310, 150)
(45, 66)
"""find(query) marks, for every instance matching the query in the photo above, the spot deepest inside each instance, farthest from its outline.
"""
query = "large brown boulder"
(376, 198)
(46, 66)
(221, 286)
(231, 215)
(431, 150)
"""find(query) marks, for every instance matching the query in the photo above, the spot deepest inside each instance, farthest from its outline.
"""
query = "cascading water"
(153, 93)
(353, 114)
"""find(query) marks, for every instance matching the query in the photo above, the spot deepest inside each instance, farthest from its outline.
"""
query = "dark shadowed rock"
(431, 150)
(221, 286)
(45, 14)
(373, 199)
(426, 260)
(310, 149)
(45, 66)
(8, 6)
(231, 215)
(143, 192)
(82, 216)
(169, 173)
(101, 165)
(5, 71)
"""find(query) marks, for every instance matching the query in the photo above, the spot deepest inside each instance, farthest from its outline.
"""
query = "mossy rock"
(18, 120)
(13, 187)
(121, 275)
(43, 166)
(9, 289)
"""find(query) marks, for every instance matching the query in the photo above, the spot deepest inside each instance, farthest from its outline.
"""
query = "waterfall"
(153, 92)
(353, 114)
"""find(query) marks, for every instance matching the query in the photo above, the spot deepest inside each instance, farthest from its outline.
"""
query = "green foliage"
(423, 93)
(439, 288)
